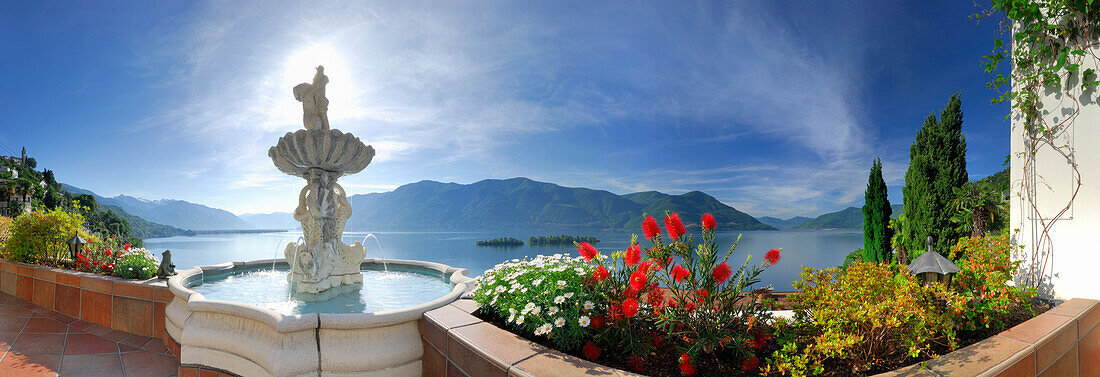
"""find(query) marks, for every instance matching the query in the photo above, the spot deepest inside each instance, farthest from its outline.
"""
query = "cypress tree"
(876, 218)
(937, 165)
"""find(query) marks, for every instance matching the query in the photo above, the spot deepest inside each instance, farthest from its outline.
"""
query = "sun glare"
(300, 67)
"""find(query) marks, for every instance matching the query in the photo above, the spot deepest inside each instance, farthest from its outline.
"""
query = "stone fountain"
(321, 155)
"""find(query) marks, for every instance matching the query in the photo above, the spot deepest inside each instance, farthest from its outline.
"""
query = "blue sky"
(774, 107)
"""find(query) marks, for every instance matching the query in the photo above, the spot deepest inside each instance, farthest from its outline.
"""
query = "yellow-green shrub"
(870, 316)
(36, 237)
(986, 268)
(5, 230)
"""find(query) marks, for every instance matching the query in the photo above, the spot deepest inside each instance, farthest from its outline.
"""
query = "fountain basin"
(250, 340)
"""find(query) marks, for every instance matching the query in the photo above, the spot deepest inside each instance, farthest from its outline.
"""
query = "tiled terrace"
(35, 341)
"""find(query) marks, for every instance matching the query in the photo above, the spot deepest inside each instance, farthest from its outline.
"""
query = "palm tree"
(975, 206)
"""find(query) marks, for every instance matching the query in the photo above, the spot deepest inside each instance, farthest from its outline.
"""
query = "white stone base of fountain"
(251, 341)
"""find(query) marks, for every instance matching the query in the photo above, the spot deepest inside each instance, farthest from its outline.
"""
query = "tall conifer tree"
(937, 165)
(876, 218)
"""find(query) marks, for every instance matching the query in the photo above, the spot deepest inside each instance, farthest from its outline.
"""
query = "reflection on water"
(817, 249)
(380, 291)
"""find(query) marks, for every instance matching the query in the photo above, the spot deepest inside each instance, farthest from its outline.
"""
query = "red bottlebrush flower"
(685, 365)
(600, 273)
(689, 306)
(597, 322)
(759, 341)
(708, 222)
(702, 293)
(591, 351)
(650, 228)
(126, 247)
(679, 273)
(671, 302)
(638, 280)
(721, 272)
(674, 226)
(655, 298)
(587, 251)
(630, 307)
(751, 364)
(632, 256)
(635, 363)
(772, 257)
(108, 252)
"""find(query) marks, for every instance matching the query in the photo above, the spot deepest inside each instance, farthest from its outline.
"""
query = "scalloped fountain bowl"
(239, 317)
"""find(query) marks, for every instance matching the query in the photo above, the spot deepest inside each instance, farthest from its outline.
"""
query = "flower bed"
(678, 308)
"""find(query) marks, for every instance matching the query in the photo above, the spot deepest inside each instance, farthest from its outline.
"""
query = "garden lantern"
(931, 266)
(75, 244)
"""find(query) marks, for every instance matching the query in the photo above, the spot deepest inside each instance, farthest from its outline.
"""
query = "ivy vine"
(1047, 42)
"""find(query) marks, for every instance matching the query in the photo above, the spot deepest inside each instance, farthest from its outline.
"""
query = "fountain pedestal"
(321, 155)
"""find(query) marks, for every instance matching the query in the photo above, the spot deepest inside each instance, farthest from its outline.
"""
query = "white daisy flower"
(584, 321)
(559, 322)
(568, 294)
(519, 320)
(588, 305)
(499, 289)
(513, 317)
(524, 290)
(552, 311)
(537, 282)
(536, 310)
(562, 283)
(559, 299)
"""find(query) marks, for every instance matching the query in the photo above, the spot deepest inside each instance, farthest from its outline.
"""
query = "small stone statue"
(314, 103)
(166, 268)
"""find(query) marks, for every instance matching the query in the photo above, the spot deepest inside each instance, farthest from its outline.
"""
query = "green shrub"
(986, 270)
(542, 297)
(870, 316)
(38, 237)
(136, 263)
(5, 230)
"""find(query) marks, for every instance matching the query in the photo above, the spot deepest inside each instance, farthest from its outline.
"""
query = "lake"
(811, 248)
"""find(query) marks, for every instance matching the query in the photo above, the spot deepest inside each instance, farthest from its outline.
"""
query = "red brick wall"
(135, 306)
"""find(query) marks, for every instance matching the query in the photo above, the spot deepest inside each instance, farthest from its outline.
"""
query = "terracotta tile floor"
(35, 341)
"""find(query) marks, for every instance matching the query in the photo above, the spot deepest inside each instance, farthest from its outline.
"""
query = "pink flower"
(674, 226)
(772, 257)
(708, 222)
(721, 272)
(650, 228)
(632, 255)
(587, 251)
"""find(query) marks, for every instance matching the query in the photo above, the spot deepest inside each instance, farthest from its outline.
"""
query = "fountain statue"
(321, 155)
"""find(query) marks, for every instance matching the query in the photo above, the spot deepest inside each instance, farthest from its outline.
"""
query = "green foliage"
(5, 230)
(869, 317)
(560, 240)
(39, 237)
(978, 207)
(502, 241)
(542, 297)
(876, 218)
(937, 165)
(985, 281)
(136, 263)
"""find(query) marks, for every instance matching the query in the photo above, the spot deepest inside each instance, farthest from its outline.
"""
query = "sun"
(301, 65)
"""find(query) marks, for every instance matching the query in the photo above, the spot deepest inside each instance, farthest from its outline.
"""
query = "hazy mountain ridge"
(176, 213)
(521, 203)
(848, 218)
(783, 224)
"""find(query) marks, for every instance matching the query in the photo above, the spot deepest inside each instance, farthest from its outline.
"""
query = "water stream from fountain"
(380, 252)
(278, 246)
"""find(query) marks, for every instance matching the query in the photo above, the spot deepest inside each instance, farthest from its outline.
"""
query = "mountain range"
(783, 224)
(516, 203)
(176, 213)
(521, 203)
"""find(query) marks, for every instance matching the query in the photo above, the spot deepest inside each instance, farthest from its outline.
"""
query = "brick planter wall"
(1064, 341)
(135, 306)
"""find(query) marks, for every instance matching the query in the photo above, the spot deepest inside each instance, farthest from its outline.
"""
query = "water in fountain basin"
(379, 243)
(380, 291)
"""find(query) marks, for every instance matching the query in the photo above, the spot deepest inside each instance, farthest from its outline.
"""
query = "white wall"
(1074, 265)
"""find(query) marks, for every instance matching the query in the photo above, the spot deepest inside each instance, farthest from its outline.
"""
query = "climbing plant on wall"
(1046, 43)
